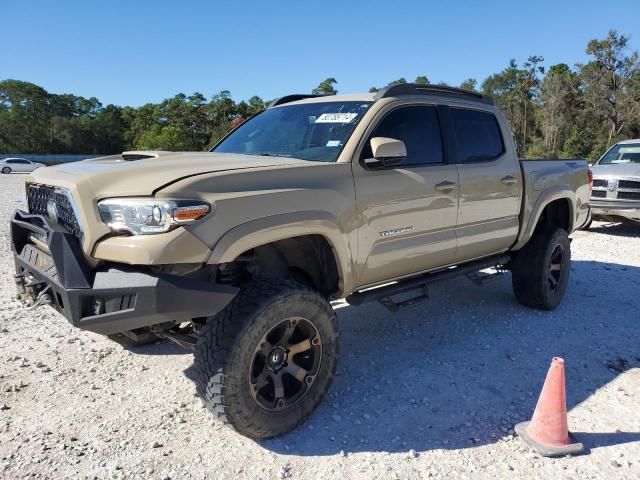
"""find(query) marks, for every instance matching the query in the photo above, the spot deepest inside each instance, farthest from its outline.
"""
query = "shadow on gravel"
(624, 229)
(158, 347)
(462, 368)
(597, 440)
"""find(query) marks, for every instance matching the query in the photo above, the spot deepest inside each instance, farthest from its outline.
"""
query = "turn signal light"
(191, 213)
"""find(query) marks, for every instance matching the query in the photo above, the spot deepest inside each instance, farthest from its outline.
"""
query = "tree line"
(562, 110)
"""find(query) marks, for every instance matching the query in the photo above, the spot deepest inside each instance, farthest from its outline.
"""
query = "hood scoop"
(144, 154)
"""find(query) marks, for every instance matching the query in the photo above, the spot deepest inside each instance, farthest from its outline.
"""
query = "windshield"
(621, 153)
(309, 131)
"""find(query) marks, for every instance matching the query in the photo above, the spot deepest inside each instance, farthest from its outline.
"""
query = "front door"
(407, 214)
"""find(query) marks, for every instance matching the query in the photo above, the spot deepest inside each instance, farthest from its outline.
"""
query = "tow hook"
(42, 299)
(27, 286)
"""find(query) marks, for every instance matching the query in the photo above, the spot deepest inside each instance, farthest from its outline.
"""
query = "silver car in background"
(22, 165)
(616, 183)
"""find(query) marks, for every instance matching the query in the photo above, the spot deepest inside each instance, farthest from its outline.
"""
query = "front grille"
(600, 183)
(55, 205)
(628, 184)
(629, 195)
(598, 194)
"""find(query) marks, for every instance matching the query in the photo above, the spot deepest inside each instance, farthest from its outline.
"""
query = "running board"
(419, 283)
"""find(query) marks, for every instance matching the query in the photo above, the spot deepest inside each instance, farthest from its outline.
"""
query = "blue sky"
(138, 51)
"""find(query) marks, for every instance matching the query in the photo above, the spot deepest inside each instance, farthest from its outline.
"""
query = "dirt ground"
(431, 392)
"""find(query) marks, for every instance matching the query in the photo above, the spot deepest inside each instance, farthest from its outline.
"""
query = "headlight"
(144, 216)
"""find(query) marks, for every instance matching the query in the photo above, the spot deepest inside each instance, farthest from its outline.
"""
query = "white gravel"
(432, 392)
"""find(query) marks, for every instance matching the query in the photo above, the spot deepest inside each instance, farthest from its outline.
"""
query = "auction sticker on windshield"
(336, 117)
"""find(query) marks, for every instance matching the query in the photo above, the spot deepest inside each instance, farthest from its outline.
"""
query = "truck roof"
(400, 90)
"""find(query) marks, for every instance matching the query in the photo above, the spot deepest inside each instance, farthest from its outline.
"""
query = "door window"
(477, 135)
(419, 128)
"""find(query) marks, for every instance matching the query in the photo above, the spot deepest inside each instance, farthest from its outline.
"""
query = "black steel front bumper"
(104, 301)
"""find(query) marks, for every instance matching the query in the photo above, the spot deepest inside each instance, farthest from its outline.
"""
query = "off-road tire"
(6, 170)
(530, 269)
(226, 345)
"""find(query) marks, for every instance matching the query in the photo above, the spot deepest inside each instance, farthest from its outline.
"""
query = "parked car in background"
(12, 165)
(616, 183)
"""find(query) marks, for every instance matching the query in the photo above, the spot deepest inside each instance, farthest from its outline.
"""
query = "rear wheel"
(266, 361)
(540, 270)
(6, 170)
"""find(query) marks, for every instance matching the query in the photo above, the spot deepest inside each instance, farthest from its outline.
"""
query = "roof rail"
(425, 89)
(293, 98)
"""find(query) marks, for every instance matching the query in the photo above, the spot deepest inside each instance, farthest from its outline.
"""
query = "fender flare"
(263, 231)
(557, 192)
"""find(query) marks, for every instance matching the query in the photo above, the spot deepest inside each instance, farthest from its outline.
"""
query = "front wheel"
(265, 362)
(6, 170)
(540, 270)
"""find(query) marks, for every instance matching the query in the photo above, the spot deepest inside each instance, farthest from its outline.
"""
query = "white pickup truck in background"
(616, 183)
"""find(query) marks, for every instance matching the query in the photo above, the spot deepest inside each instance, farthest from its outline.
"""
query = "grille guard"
(73, 269)
(104, 301)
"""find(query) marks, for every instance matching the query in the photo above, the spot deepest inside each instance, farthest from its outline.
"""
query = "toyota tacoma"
(238, 252)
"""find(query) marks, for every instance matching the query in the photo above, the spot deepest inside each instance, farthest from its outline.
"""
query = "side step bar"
(420, 283)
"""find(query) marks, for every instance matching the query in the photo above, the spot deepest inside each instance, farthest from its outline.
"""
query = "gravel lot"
(431, 392)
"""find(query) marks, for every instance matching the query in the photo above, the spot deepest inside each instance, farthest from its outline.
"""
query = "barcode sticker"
(336, 117)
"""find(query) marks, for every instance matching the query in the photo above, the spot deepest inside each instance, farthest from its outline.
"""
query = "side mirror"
(387, 152)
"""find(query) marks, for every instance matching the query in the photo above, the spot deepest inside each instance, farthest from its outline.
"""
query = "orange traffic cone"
(547, 432)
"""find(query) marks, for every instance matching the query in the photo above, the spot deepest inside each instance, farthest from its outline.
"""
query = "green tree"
(399, 81)
(515, 91)
(470, 84)
(608, 82)
(504, 87)
(421, 80)
(25, 117)
(560, 99)
(530, 83)
(326, 87)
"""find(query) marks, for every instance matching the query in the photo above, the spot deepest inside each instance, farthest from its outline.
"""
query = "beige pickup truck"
(238, 252)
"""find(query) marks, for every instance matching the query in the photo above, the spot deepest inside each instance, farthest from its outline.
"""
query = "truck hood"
(617, 170)
(144, 175)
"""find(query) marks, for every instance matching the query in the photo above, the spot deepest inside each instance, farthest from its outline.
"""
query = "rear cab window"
(478, 137)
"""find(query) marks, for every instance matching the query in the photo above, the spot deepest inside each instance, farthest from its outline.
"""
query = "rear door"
(490, 183)
(407, 214)
(26, 166)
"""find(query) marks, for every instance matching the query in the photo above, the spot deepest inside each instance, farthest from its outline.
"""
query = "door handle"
(509, 180)
(445, 186)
